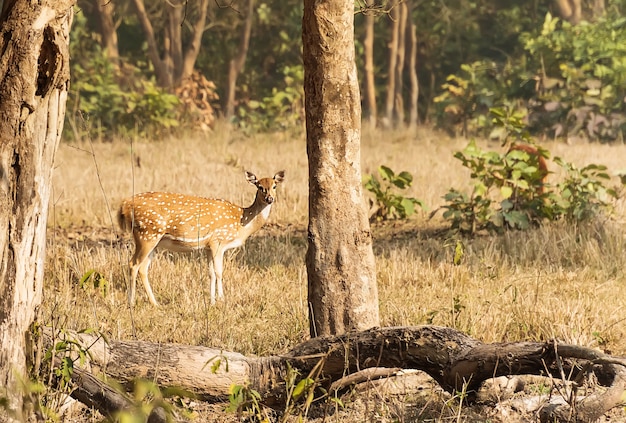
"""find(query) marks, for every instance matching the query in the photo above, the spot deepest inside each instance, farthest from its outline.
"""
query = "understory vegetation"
(566, 80)
(560, 280)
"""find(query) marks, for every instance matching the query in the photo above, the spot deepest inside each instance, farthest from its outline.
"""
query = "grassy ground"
(561, 281)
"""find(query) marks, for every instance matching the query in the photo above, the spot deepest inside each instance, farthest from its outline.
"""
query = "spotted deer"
(185, 223)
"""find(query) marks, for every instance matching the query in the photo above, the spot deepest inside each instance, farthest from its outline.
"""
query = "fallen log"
(454, 360)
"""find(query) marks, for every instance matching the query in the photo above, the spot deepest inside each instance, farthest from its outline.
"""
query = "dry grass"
(556, 282)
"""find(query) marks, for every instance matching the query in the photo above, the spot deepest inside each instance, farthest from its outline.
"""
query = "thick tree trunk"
(237, 63)
(454, 360)
(570, 10)
(340, 262)
(174, 40)
(34, 80)
(369, 82)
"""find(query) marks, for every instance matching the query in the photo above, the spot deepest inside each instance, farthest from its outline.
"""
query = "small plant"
(582, 195)
(96, 279)
(388, 204)
(507, 191)
(243, 399)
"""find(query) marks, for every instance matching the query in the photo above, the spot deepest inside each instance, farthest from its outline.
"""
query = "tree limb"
(454, 360)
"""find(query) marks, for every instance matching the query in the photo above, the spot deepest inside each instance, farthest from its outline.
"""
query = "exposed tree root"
(457, 362)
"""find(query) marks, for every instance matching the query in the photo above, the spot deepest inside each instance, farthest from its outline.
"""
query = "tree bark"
(340, 261)
(411, 36)
(369, 82)
(34, 80)
(163, 76)
(237, 63)
(398, 103)
(570, 10)
(393, 58)
(457, 362)
(108, 34)
(193, 49)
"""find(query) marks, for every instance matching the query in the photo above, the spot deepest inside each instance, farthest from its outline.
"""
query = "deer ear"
(251, 177)
(279, 177)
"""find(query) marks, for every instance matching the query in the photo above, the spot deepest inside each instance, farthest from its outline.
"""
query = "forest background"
(147, 71)
(143, 69)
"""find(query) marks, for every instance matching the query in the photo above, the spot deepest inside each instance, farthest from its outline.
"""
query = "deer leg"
(218, 268)
(212, 275)
(143, 273)
(139, 265)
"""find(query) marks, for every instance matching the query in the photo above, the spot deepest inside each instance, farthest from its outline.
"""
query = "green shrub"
(570, 81)
(105, 100)
(283, 110)
(509, 191)
(389, 204)
(582, 77)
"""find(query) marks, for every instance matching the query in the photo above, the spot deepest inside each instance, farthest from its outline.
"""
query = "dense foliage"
(564, 79)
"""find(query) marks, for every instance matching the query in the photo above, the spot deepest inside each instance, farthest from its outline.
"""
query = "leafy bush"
(388, 204)
(284, 109)
(582, 194)
(509, 191)
(570, 81)
(105, 100)
(505, 193)
(582, 79)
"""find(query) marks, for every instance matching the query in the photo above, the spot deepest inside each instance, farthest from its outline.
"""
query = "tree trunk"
(411, 36)
(368, 74)
(393, 58)
(398, 104)
(238, 61)
(163, 76)
(34, 80)
(106, 25)
(457, 362)
(173, 63)
(570, 10)
(193, 49)
(174, 40)
(340, 261)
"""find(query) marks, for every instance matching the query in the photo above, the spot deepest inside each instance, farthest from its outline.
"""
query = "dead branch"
(454, 360)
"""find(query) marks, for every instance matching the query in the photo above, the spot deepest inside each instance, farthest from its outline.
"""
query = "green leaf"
(386, 173)
(301, 387)
(506, 191)
(408, 206)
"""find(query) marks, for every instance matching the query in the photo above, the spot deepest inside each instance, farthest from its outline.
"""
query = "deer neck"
(255, 216)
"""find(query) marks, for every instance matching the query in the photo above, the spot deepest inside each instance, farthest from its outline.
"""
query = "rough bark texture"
(34, 79)
(340, 261)
(454, 360)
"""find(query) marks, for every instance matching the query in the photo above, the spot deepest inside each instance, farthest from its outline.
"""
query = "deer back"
(179, 218)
